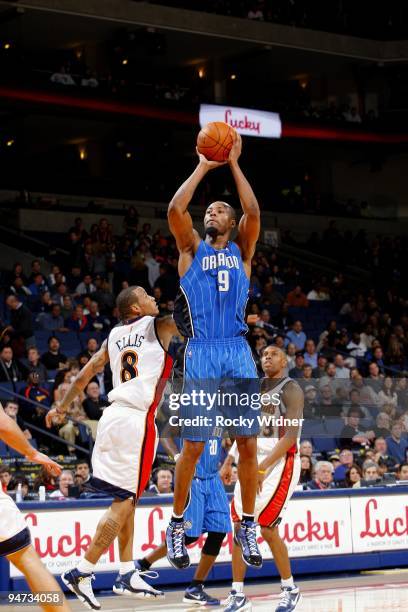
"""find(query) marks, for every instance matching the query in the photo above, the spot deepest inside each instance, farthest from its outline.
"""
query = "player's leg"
(290, 596)
(38, 577)
(129, 580)
(236, 598)
(195, 592)
(175, 534)
(79, 580)
(247, 474)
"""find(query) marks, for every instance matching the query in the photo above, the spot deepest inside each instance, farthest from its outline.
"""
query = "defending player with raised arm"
(209, 312)
(125, 444)
(15, 537)
(278, 476)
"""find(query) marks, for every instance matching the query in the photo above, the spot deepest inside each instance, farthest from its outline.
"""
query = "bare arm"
(12, 435)
(293, 399)
(180, 221)
(166, 329)
(94, 365)
(249, 225)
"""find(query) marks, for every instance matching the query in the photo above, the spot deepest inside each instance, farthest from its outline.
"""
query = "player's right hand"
(50, 416)
(51, 466)
(209, 165)
(252, 319)
(226, 474)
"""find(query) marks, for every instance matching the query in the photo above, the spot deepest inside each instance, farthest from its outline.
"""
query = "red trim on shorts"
(234, 515)
(149, 440)
(274, 507)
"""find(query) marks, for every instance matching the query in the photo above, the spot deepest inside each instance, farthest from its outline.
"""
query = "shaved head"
(231, 210)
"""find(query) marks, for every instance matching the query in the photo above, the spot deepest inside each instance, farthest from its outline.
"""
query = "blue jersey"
(213, 294)
(208, 464)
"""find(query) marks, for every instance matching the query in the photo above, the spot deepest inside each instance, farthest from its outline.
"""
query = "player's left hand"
(51, 466)
(261, 478)
(236, 149)
(206, 163)
(252, 319)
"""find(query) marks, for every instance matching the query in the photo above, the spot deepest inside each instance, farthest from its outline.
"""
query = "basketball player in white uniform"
(278, 475)
(15, 538)
(126, 440)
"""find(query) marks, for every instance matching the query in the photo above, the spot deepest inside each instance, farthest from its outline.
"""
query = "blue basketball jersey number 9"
(223, 280)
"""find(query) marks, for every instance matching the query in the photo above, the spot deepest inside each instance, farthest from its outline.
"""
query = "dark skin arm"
(180, 221)
(250, 223)
(166, 329)
(293, 399)
(94, 365)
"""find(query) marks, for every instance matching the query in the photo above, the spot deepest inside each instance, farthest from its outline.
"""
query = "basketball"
(215, 141)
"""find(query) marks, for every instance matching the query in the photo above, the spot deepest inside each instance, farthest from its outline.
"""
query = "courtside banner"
(311, 527)
(379, 523)
(247, 121)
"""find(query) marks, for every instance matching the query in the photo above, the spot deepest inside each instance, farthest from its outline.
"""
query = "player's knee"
(192, 450)
(190, 539)
(247, 448)
(269, 532)
(213, 543)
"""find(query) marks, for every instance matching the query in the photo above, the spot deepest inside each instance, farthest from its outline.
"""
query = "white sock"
(85, 567)
(238, 587)
(288, 583)
(125, 567)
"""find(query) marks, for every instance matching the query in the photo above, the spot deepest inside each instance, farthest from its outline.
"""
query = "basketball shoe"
(133, 584)
(289, 599)
(81, 585)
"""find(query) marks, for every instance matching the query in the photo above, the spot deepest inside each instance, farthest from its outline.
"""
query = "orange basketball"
(215, 141)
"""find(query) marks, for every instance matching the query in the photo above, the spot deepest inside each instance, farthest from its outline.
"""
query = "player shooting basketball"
(209, 312)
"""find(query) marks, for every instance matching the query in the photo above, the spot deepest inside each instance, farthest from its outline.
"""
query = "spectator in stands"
(310, 353)
(352, 436)
(387, 395)
(346, 461)
(83, 471)
(18, 289)
(21, 321)
(91, 348)
(341, 370)
(61, 292)
(93, 406)
(162, 482)
(33, 364)
(297, 371)
(45, 479)
(311, 406)
(328, 403)
(78, 322)
(297, 336)
(53, 359)
(11, 409)
(297, 298)
(323, 476)
(89, 80)
(305, 469)
(34, 392)
(375, 378)
(382, 427)
(86, 286)
(397, 443)
(256, 13)
(402, 473)
(381, 452)
(291, 351)
(11, 370)
(64, 481)
(318, 294)
(96, 323)
(356, 346)
(5, 478)
(283, 319)
(306, 448)
(320, 370)
(52, 321)
(370, 473)
(67, 307)
(38, 286)
(353, 475)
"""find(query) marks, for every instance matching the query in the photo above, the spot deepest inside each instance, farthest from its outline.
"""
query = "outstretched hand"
(51, 466)
(209, 165)
(236, 149)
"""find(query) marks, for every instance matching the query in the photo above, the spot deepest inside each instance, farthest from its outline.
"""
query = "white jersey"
(268, 439)
(138, 362)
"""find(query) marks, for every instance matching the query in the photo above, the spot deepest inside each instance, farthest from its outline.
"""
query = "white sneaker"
(81, 585)
(132, 584)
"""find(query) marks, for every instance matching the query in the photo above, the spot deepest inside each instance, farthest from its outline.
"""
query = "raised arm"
(166, 329)
(180, 221)
(94, 365)
(250, 223)
(12, 435)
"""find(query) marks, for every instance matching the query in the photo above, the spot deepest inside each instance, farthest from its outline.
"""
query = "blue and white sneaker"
(133, 585)
(81, 585)
(245, 537)
(176, 548)
(237, 601)
(198, 596)
(289, 599)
